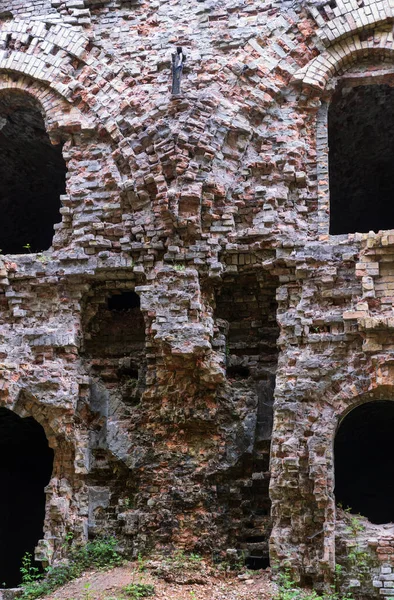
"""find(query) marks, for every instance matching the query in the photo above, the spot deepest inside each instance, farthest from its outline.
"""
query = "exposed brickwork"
(212, 207)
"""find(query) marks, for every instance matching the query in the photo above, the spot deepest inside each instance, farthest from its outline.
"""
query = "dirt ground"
(204, 584)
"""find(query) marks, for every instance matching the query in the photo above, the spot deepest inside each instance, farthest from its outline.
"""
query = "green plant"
(178, 564)
(233, 562)
(88, 593)
(315, 329)
(289, 590)
(179, 267)
(358, 561)
(43, 259)
(138, 590)
(182, 561)
(141, 563)
(68, 540)
(29, 572)
(100, 553)
(27, 247)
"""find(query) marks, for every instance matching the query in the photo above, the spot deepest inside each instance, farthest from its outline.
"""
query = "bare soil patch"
(206, 584)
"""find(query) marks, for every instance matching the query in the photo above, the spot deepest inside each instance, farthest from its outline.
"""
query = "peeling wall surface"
(194, 334)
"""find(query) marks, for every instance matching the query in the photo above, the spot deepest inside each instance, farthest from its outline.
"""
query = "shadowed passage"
(361, 155)
(32, 176)
(364, 461)
(25, 469)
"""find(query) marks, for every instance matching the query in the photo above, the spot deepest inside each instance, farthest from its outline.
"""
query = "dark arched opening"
(364, 461)
(25, 469)
(32, 176)
(361, 155)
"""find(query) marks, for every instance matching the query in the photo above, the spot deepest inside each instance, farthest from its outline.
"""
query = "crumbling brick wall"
(215, 199)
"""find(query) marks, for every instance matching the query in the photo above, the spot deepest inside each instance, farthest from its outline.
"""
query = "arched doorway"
(364, 461)
(361, 153)
(25, 469)
(32, 176)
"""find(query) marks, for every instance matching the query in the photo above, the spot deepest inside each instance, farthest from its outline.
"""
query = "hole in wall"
(238, 372)
(255, 563)
(32, 176)
(361, 155)
(249, 307)
(26, 464)
(114, 345)
(117, 328)
(128, 373)
(124, 301)
(245, 316)
(364, 461)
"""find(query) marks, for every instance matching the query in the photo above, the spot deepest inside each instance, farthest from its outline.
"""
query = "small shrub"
(138, 590)
(183, 568)
(182, 561)
(288, 590)
(29, 572)
(99, 554)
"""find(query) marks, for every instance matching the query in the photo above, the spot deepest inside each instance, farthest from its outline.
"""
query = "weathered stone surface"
(213, 207)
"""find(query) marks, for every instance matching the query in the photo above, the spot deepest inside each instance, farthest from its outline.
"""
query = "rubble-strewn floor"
(105, 585)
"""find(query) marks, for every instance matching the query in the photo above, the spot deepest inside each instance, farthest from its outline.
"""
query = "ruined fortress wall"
(209, 212)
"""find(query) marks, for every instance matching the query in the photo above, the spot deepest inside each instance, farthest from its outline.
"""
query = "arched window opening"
(361, 155)
(26, 463)
(32, 176)
(364, 461)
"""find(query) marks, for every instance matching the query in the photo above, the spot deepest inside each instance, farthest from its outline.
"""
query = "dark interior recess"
(32, 176)
(254, 563)
(238, 372)
(361, 158)
(249, 307)
(245, 317)
(124, 301)
(26, 464)
(117, 329)
(364, 461)
(115, 355)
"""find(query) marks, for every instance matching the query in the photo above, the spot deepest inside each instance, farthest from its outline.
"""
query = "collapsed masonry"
(172, 265)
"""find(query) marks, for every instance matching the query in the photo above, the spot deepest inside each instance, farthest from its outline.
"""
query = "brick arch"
(320, 70)
(378, 389)
(58, 423)
(55, 85)
(376, 392)
(59, 115)
(324, 417)
(339, 19)
(28, 405)
(61, 510)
